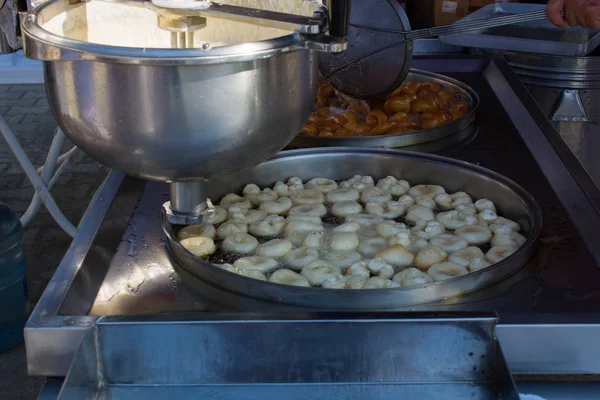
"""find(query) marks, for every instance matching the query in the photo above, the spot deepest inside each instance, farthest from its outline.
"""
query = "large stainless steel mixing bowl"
(172, 114)
(239, 292)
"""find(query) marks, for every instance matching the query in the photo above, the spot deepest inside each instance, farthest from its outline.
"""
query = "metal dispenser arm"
(271, 19)
(314, 25)
(336, 19)
(339, 17)
(189, 204)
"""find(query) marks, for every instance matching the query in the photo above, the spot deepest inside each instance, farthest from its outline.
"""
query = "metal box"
(315, 356)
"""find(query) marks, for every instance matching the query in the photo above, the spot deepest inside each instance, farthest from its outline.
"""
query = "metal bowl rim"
(155, 56)
(472, 94)
(530, 203)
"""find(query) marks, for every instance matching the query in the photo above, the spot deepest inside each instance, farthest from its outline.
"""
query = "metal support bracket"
(569, 108)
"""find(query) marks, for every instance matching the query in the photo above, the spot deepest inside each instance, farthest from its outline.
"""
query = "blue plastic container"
(13, 286)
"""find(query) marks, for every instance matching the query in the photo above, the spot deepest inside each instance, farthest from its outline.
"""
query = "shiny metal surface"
(539, 37)
(31, 4)
(570, 108)
(550, 389)
(185, 196)
(554, 71)
(180, 136)
(454, 128)
(45, 340)
(174, 114)
(559, 344)
(233, 357)
(572, 185)
(338, 164)
(184, 137)
(584, 141)
(187, 202)
(561, 390)
(568, 90)
(118, 264)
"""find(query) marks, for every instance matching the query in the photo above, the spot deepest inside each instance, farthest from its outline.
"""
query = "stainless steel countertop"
(547, 390)
(583, 138)
(321, 355)
(118, 265)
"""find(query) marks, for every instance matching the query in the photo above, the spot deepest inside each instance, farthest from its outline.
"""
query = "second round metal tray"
(401, 140)
(511, 200)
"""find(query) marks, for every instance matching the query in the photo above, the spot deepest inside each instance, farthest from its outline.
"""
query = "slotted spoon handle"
(465, 26)
(340, 16)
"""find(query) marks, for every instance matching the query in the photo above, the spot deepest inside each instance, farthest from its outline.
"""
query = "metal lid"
(375, 63)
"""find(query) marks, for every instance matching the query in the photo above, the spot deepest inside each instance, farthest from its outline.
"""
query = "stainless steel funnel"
(124, 96)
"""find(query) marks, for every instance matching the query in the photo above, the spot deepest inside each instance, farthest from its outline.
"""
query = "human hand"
(585, 13)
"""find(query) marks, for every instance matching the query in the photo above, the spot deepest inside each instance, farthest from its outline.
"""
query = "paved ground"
(25, 108)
